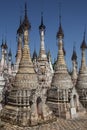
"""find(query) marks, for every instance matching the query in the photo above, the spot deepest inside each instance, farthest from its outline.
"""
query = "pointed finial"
(20, 29)
(2, 43)
(74, 46)
(5, 45)
(42, 18)
(34, 53)
(84, 32)
(5, 40)
(60, 31)
(20, 20)
(26, 24)
(60, 12)
(83, 45)
(34, 46)
(10, 54)
(74, 55)
(42, 26)
(25, 9)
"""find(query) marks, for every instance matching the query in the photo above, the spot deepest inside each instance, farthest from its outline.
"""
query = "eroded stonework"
(26, 100)
(34, 100)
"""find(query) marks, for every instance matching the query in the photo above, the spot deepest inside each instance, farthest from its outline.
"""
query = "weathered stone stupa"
(26, 70)
(42, 65)
(17, 110)
(26, 101)
(35, 105)
(82, 76)
(58, 97)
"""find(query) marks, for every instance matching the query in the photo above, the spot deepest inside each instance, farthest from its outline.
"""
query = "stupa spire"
(74, 65)
(41, 18)
(26, 23)
(42, 54)
(60, 31)
(82, 76)
(60, 66)
(83, 48)
(10, 54)
(61, 82)
(9, 63)
(60, 36)
(25, 9)
(74, 55)
(23, 89)
(19, 45)
(26, 65)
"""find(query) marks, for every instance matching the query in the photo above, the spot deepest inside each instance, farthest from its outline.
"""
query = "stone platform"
(59, 124)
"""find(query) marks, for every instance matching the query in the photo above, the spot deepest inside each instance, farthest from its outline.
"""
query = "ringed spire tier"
(42, 54)
(74, 73)
(19, 45)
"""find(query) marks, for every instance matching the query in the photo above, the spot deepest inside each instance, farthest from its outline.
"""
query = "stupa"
(25, 104)
(74, 73)
(17, 109)
(42, 65)
(82, 77)
(59, 97)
